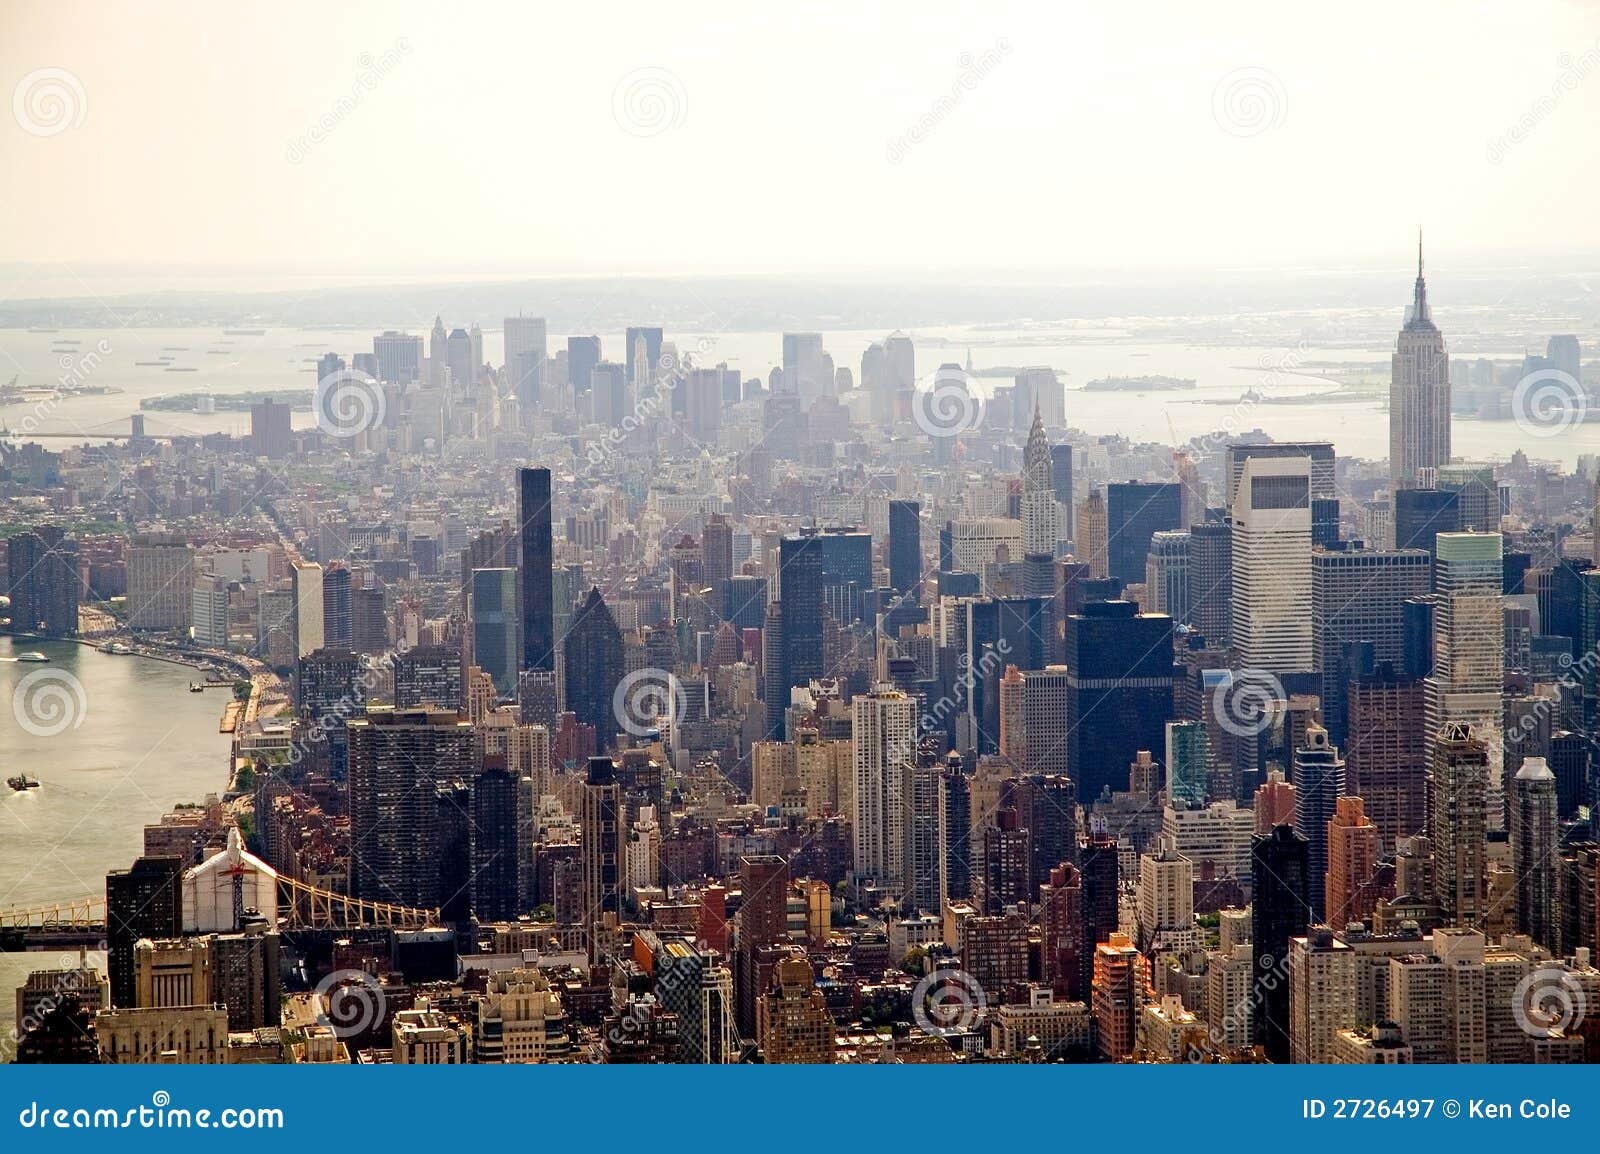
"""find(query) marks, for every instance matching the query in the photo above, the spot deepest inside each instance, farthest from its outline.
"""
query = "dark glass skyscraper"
(800, 615)
(538, 612)
(143, 902)
(1061, 482)
(1136, 511)
(905, 546)
(594, 666)
(336, 607)
(1119, 694)
(495, 842)
(1420, 515)
(1281, 909)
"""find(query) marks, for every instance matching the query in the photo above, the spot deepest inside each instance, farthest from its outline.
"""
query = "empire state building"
(1419, 393)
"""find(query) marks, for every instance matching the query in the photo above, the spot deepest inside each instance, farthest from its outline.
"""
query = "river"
(115, 741)
(129, 361)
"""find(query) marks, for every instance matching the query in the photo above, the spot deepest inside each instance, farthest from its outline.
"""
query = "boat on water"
(22, 781)
(32, 655)
(115, 647)
(196, 687)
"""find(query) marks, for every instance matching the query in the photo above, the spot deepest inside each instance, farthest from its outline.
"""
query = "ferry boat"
(116, 647)
(22, 781)
(32, 655)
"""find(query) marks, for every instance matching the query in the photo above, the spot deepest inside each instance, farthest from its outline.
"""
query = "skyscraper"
(499, 843)
(1271, 522)
(398, 760)
(1188, 763)
(1119, 695)
(1466, 684)
(583, 354)
(1135, 511)
(1318, 785)
(1387, 757)
(1281, 908)
(905, 547)
(1041, 514)
(1458, 824)
(1211, 581)
(601, 833)
(1535, 850)
(1089, 540)
(1166, 574)
(524, 356)
(495, 635)
(1419, 393)
(883, 746)
(1061, 482)
(43, 582)
(328, 691)
(337, 586)
(1350, 893)
(1359, 596)
(533, 519)
(143, 902)
(594, 666)
(308, 607)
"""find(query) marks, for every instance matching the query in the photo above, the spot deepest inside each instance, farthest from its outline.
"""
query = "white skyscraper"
(1419, 393)
(1271, 522)
(883, 738)
(307, 607)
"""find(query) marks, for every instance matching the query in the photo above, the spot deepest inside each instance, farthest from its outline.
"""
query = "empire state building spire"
(1419, 318)
(1419, 392)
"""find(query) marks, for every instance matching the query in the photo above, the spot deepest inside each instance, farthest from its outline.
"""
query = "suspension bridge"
(82, 921)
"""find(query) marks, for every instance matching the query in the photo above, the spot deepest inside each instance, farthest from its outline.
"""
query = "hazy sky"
(446, 138)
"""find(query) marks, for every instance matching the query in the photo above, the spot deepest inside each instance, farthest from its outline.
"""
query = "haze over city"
(709, 138)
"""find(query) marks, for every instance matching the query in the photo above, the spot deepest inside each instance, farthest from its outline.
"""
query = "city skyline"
(716, 642)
